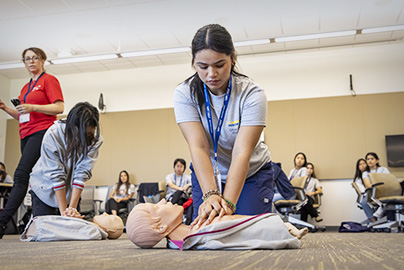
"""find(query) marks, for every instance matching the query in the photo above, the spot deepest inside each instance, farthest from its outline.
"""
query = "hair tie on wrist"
(231, 205)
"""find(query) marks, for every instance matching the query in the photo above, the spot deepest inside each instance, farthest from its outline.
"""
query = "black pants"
(30, 152)
(113, 205)
(179, 197)
(39, 208)
(308, 209)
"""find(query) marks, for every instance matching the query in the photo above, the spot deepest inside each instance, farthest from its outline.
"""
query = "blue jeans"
(30, 152)
(256, 195)
(365, 206)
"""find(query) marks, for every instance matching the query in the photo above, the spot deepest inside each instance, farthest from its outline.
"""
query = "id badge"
(24, 117)
(218, 180)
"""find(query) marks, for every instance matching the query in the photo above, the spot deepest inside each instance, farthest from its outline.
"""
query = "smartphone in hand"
(15, 101)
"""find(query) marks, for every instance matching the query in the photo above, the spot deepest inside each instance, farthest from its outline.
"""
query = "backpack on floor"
(349, 226)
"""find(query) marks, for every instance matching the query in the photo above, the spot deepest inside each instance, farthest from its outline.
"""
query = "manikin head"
(149, 223)
(111, 224)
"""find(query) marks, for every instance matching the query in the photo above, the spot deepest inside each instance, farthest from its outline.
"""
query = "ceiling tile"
(44, 7)
(87, 4)
(11, 9)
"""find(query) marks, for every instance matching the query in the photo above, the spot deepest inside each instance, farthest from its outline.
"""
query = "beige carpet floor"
(321, 250)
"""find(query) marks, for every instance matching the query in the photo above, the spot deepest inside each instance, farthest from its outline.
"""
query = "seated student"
(283, 188)
(312, 188)
(69, 151)
(6, 179)
(120, 195)
(300, 169)
(372, 160)
(361, 167)
(178, 183)
(149, 223)
(4, 176)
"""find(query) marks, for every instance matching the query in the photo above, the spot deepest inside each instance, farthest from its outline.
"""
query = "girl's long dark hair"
(313, 174)
(82, 116)
(120, 183)
(358, 173)
(214, 37)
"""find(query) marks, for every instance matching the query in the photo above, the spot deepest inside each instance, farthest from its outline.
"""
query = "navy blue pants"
(256, 195)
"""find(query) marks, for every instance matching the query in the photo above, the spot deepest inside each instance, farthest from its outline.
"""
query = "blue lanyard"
(29, 86)
(215, 139)
(293, 174)
(175, 179)
(308, 181)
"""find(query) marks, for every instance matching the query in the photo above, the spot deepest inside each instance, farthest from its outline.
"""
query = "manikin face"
(179, 168)
(124, 177)
(310, 170)
(371, 161)
(362, 165)
(33, 62)
(214, 70)
(299, 160)
(170, 215)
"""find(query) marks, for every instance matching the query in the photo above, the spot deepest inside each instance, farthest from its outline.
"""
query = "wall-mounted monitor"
(395, 150)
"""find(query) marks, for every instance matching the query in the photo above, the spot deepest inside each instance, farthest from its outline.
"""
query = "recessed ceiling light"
(382, 29)
(252, 42)
(316, 36)
(83, 59)
(156, 52)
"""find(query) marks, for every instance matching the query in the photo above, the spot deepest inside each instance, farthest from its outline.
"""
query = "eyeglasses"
(28, 59)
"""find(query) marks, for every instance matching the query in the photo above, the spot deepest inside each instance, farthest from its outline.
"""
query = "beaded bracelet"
(211, 192)
(71, 208)
(231, 205)
(211, 195)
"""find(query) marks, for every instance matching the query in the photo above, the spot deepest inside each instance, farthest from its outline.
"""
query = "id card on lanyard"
(215, 135)
(24, 118)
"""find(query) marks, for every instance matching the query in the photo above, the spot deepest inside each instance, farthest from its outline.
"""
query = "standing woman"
(68, 153)
(300, 169)
(41, 100)
(361, 167)
(120, 195)
(221, 114)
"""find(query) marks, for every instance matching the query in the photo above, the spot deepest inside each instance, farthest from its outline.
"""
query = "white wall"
(5, 97)
(339, 203)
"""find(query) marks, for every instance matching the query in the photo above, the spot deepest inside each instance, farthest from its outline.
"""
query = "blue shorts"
(256, 195)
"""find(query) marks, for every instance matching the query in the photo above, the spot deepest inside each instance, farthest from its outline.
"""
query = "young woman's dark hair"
(373, 154)
(358, 173)
(305, 159)
(127, 184)
(214, 37)
(82, 116)
(3, 174)
(313, 174)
